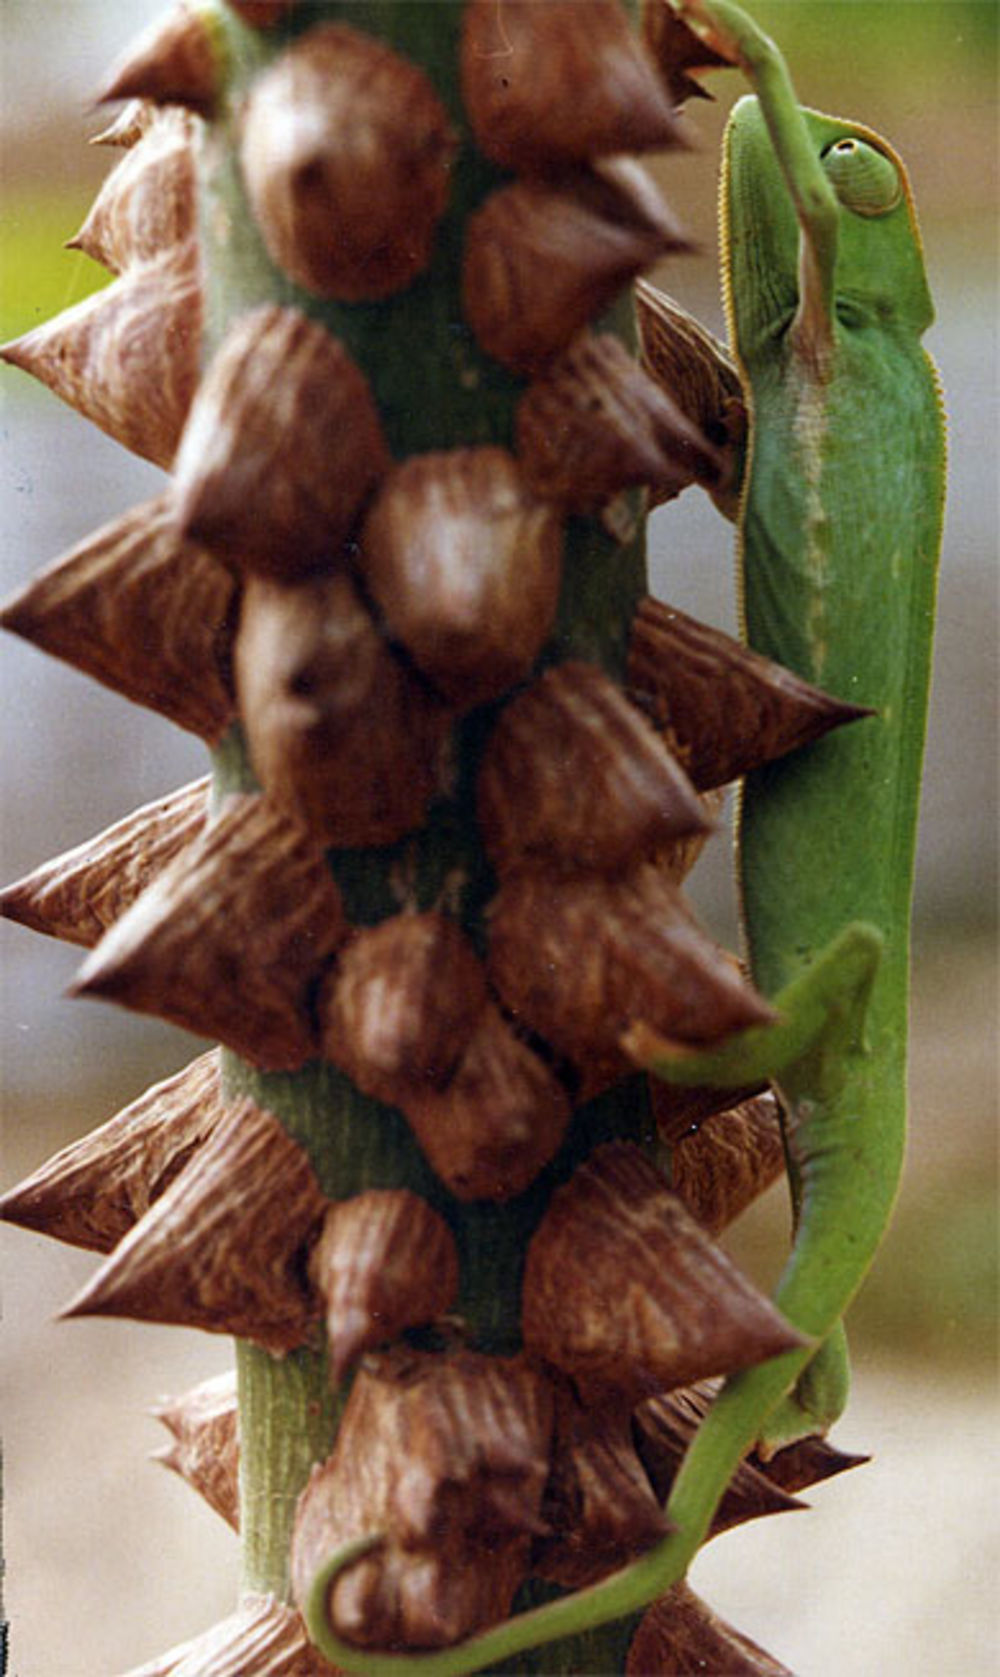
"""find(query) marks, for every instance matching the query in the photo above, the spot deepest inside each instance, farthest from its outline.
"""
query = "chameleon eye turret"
(864, 178)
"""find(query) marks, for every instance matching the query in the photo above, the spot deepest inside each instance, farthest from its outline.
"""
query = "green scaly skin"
(840, 531)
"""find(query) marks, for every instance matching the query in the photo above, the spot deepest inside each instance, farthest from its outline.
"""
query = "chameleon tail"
(819, 1028)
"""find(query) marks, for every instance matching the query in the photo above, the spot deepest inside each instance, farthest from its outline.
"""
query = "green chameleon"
(840, 523)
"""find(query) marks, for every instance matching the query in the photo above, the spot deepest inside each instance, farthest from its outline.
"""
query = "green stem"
(435, 390)
(287, 1417)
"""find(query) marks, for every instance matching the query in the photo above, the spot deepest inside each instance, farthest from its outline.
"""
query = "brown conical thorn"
(725, 709)
(677, 50)
(728, 1162)
(144, 613)
(678, 857)
(624, 1291)
(176, 61)
(78, 895)
(679, 1112)
(346, 152)
(94, 1191)
(446, 1456)
(805, 1463)
(685, 358)
(129, 125)
(544, 86)
(574, 777)
(599, 1505)
(342, 734)
(679, 1634)
(576, 959)
(696, 374)
(205, 1451)
(401, 1003)
(127, 357)
(262, 1636)
(385, 1261)
(146, 206)
(257, 478)
(543, 258)
(499, 1120)
(663, 1427)
(465, 563)
(593, 423)
(231, 939)
(224, 1249)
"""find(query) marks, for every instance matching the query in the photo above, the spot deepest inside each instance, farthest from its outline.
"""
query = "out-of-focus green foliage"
(887, 41)
(934, 1293)
(935, 1296)
(923, 72)
(38, 279)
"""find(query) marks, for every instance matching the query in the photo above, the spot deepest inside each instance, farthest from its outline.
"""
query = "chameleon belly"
(838, 577)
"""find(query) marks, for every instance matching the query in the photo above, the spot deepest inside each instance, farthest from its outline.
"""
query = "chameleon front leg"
(739, 39)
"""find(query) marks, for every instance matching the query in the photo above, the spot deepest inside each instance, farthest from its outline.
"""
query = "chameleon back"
(840, 528)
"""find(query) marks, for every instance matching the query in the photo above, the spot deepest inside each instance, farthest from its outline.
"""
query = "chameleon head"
(879, 268)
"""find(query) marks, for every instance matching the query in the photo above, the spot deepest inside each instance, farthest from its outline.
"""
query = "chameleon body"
(840, 526)
(840, 529)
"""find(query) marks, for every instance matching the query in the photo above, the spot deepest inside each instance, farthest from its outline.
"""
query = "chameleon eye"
(864, 179)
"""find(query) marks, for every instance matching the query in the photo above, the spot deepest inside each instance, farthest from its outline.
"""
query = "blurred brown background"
(110, 1559)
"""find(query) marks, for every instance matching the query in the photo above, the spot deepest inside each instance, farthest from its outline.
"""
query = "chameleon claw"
(826, 1001)
(815, 1402)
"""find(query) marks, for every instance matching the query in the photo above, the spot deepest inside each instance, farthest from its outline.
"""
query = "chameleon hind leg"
(818, 1031)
